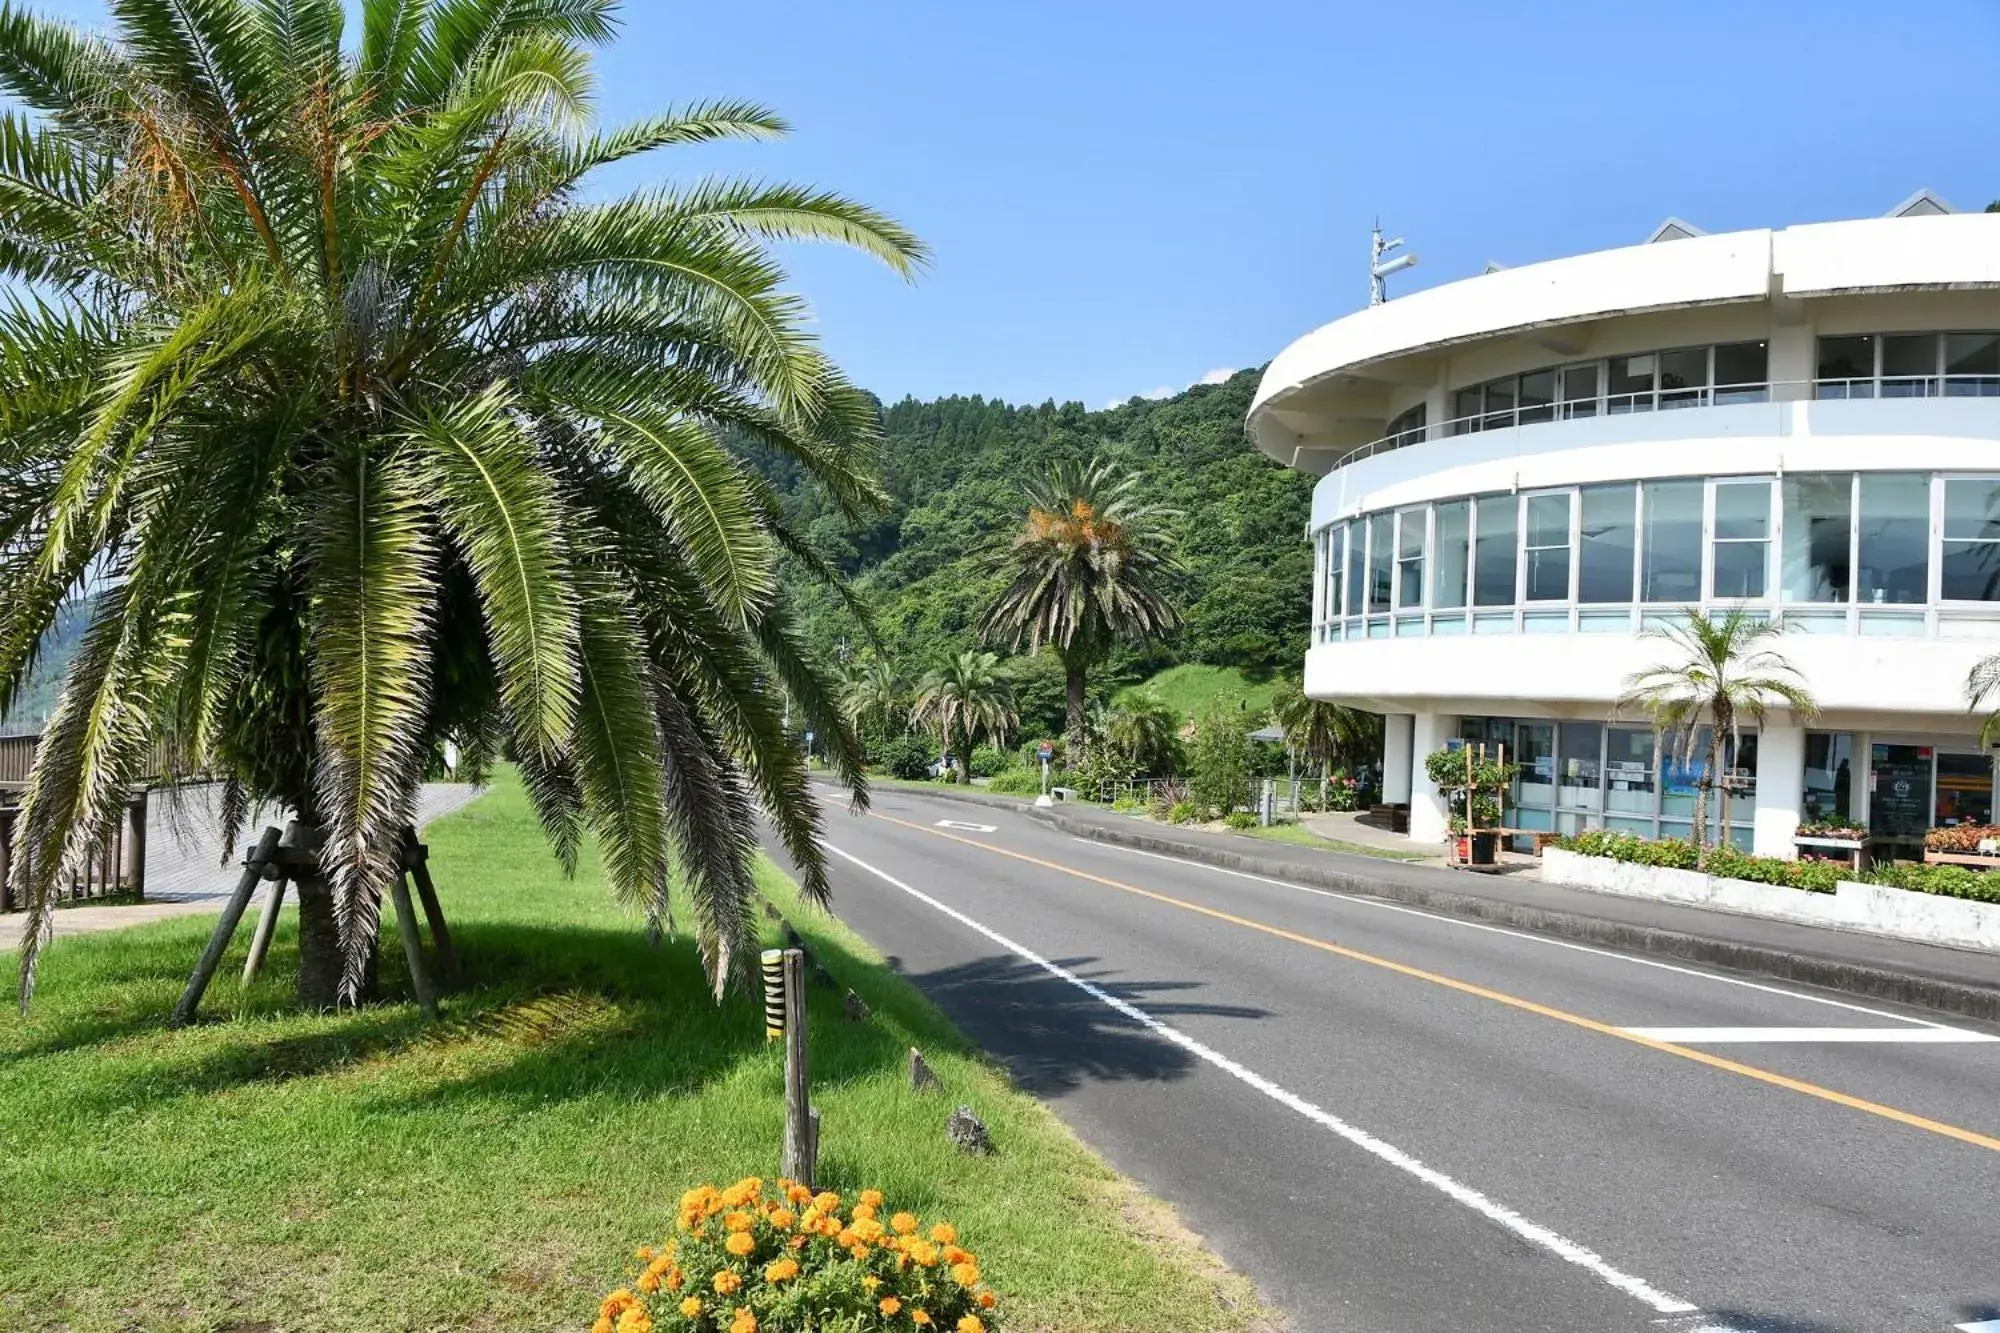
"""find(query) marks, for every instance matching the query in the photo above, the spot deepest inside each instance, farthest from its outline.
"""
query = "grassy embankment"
(271, 1171)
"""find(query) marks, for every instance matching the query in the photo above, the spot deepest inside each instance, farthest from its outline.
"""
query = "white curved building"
(1522, 470)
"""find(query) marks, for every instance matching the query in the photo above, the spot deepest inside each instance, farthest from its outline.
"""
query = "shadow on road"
(1054, 1037)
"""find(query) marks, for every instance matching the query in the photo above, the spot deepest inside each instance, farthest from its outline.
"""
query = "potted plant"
(1472, 785)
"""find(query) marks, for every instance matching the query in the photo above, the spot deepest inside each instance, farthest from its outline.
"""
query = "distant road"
(1393, 1121)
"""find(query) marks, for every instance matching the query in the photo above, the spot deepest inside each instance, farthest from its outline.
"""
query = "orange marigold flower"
(873, 1198)
(740, 1243)
(745, 1322)
(903, 1224)
(860, 1252)
(783, 1218)
(635, 1320)
(954, 1255)
(966, 1275)
(782, 1271)
(845, 1240)
(674, 1279)
(617, 1303)
(799, 1194)
(726, 1281)
(924, 1253)
(921, 1318)
(971, 1323)
(691, 1307)
(826, 1201)
(602, 1325)
(739, 1221)
(867, 1229)
(798, 1242)
(944, 1233)
(889, 1305)
(862, 1210)
(643, 1254)
(649, 1282)
(987, 1300)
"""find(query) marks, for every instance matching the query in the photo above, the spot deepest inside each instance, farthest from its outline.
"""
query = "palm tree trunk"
(1073, 675)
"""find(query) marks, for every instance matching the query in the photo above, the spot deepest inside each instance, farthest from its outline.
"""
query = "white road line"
(1556, 1244)
(1360, 901)
(969, 828)
(1982, 1326)
(1720, 1036)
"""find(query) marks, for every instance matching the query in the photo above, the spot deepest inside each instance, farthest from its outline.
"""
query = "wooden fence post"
(413, 946)
(799, 1163)
(267, 925)
(7, 813)
(419, 859)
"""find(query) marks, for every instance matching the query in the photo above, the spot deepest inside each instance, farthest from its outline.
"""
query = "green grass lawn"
(1303, 837)
(1188, 688)
(269, 1172)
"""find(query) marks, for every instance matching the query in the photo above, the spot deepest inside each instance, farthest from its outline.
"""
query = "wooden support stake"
(420, 871)
(7, 813)
(225, 929)
(267, 925)
(799, 1159)
(413, 947)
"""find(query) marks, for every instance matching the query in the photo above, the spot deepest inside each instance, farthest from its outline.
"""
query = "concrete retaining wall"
(1874, 909)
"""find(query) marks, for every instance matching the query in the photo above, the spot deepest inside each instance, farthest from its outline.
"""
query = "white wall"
(1781, 764)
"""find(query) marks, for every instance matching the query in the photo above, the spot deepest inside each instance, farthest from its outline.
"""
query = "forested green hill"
(954, 468)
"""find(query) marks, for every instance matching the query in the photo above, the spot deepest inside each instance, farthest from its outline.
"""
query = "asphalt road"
(1394, 1121)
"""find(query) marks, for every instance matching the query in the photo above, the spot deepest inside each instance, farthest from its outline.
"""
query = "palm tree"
(966, 700)
(1088, 566)
(363, 420)
(874, 695)
(1322, 732)
(1722, 674)
(1145, 731)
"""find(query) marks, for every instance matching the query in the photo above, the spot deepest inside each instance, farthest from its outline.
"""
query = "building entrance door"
(1899, 798)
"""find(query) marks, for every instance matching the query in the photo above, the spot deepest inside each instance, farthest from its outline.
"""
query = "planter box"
(1874, 909)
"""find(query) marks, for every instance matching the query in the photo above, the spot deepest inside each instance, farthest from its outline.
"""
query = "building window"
(1829, 779)
(1410, 557)
(1893, 561)
(1670, 556)
(1819, 530)
(1538, 397)
(1971, 556)
(1465, 411)
(1357, 563)
(1909, 365)
(1381, 569)
(1628, 772)
(1972, 364)
(1629, 386)
(1579, 391)
(1846, 367)
(1684, 378)
(1499, 403)
(1407, 427)
(1742, 545)
(1742, 373)
(1494, 540)
(1451, 523)
(1336, 555)
(1547, 547)
(1607, 543)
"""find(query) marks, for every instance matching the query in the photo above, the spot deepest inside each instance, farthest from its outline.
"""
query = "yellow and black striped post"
(774, 994)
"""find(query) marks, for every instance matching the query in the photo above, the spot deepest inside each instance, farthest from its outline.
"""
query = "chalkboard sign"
(1899, 799)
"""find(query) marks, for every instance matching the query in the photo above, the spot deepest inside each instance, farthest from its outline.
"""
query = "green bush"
(1018, 781)
(1947, 881)
(1724, 862)
(1219, 759)
(902, 757)
(1182, 812)
(1128, 803)
(1240, 819)
(988, 762)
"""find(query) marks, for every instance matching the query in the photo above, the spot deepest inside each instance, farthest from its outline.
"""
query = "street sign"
(1045, 752)
(809, 740)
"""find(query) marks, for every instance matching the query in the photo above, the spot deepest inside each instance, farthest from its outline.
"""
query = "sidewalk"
(185, 874)
(1955, 980)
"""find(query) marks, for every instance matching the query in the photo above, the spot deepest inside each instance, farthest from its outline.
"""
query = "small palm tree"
(1145, 731)
(1321, 732)
(967, 699)
(1982, 683)
(875, 695)
(1089, 566)
(1723, 674)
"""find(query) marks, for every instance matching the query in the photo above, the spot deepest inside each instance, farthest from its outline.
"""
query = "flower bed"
(1963, 839)
(1723, 862)
(744, 1260)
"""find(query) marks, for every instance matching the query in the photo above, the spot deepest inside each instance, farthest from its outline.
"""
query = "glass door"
(1535, 785)
(1899, 797)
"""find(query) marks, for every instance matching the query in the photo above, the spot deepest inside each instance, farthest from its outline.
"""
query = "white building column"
(1781, 780)
(1428, 817)
(1397, 736)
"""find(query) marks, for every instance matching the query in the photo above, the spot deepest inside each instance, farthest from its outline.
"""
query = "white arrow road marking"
(969, 828)
(1928, 1036)
(1983, 1326)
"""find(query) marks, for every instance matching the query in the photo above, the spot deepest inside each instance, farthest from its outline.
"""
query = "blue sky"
(1124, 197)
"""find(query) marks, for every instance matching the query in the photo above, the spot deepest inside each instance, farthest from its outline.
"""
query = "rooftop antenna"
(1379, 268)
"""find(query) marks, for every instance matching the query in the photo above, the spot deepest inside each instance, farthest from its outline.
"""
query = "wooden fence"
(117, 865)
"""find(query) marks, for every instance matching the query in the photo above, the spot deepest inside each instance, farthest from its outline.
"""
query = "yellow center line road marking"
(1776, 1080)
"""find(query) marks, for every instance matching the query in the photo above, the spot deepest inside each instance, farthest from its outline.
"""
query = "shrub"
(950, 775)
(1182, 812)
(1219, 759)
(1019, 781)
(1725, 862)
(1948, 881)
(1343, 793)
(1455, 773)
(1240, 819)
(903, 757)
(1128, 803)
(785, 1261)
(987, 762)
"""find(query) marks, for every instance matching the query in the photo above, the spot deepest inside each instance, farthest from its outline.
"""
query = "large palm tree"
(875, 696)
(1089, 566)
(966, 700)
(1723, 673)
(1322, 732)
(359, 426)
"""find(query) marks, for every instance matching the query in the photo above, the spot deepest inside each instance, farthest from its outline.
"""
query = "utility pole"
(1379, 269)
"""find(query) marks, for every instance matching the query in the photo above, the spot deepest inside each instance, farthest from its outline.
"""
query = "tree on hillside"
(875, 699)
(1323, 733)
(370, 422)
(965, 701)
(1087, 568)
(1722, 673)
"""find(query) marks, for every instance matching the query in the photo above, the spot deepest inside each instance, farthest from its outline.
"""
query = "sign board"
(1045, 752)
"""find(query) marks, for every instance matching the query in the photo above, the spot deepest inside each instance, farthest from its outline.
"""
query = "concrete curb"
(1913, 988)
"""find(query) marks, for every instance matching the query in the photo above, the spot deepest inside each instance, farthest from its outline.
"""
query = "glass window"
(1535, 752)
(1579, 747)
(1499, 403)
(1847, 367)
(1742, 538)
(1336, 539)
(1607, 543)
(1819, 523)
(1451, 560)
(1381, 548)
(1629, 386)
(1538, 396)
(1410, 525)
(1628, 771)
(1407, 427)
(1465, 411)
(1972, 360)
(1670, 554)
(1909, 365)
(1494, 540)
(1357, 560)
(1579, 390)
(1829, 782)
(1684, 377)
(1741, 373)
(1971, 540)
(1964, 790)
(1894, 562)
(1548, 547)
